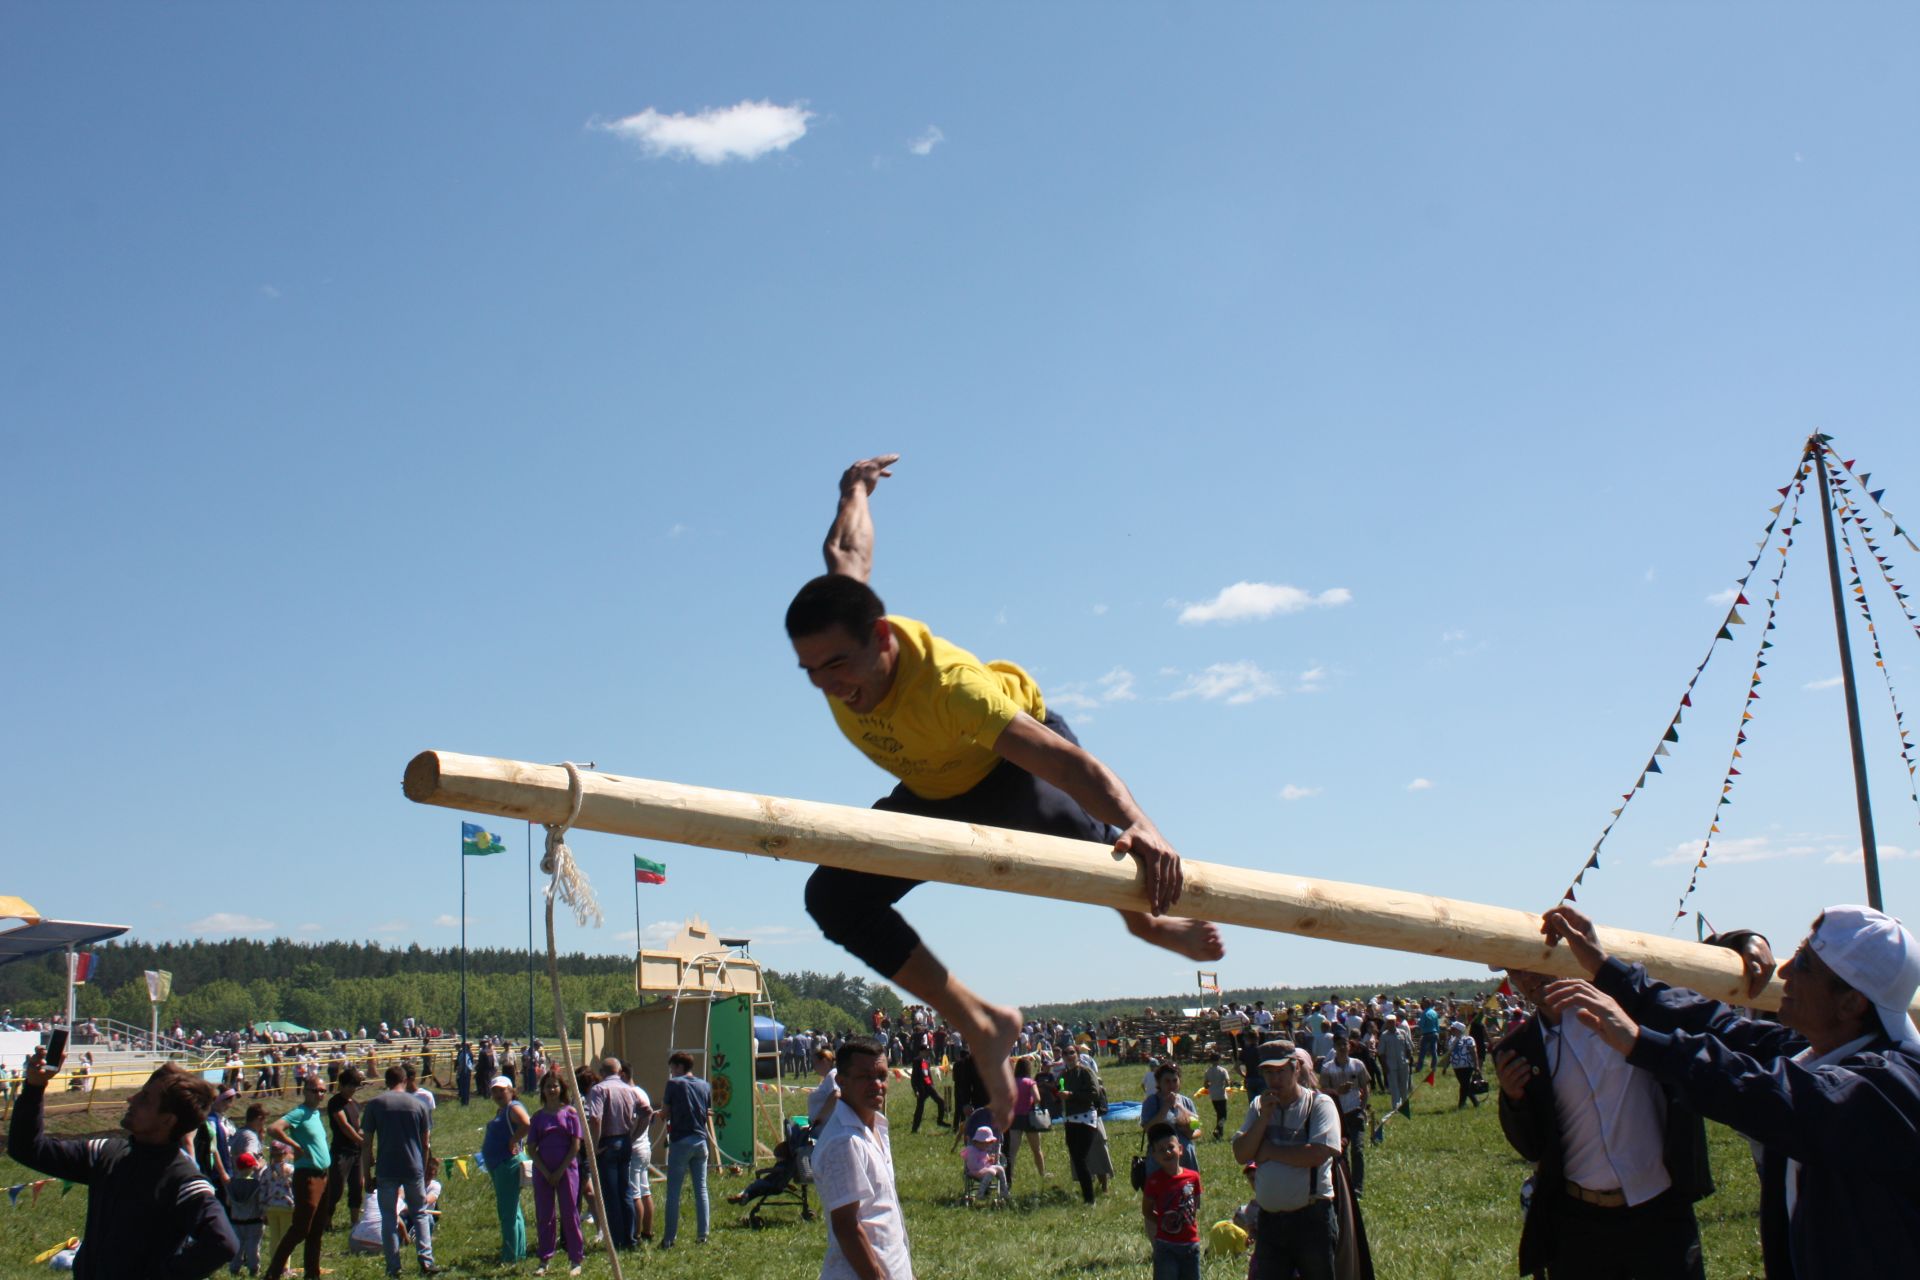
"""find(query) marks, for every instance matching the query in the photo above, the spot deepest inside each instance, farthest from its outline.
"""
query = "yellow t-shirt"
(936, 727)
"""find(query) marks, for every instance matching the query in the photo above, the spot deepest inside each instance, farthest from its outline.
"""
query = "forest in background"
(227, 984)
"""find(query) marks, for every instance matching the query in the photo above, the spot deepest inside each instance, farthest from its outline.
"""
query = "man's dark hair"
(1156, 1131)
(860, 1046)
(351, 1078)
(834, 600)
(185, 1097)
(684, 1061)
(396, 1074)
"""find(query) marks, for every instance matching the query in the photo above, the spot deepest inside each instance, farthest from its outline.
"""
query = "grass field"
(1442, 1203)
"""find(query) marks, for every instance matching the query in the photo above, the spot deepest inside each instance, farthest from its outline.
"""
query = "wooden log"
(918, 848)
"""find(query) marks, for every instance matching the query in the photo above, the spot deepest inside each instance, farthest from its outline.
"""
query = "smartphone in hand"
(57, 1050)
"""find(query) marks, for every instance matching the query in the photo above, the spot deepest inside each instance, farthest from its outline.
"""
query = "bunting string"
(1731, 777)
(1880, 557)
(1671, 733)
(1849, 513)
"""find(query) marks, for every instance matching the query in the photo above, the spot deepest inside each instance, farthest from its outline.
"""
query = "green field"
(1442, 1202)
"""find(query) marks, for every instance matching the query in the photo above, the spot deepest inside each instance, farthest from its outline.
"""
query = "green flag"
(478, 842)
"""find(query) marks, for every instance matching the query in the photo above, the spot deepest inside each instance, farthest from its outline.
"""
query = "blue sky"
(478, 378)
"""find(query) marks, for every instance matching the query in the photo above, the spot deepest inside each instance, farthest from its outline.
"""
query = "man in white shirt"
(1831, 1091)
(1618, 1162)
(853, 1173)
(1291, 1134)
(1346, 1078)
(826, 1095)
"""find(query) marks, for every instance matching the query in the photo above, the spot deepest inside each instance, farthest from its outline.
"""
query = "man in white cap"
(1831, 1092)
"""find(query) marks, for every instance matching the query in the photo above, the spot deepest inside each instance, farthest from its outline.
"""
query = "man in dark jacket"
(150, 1212)
(1831, 1092)
(1619, 1159)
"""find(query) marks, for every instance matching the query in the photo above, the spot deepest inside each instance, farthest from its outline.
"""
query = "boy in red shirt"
(1171, 1202)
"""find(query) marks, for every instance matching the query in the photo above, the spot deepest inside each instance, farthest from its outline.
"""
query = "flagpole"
(69, 988)
(463, 938)
(529, 935)
(1869, 853)
(636, 912)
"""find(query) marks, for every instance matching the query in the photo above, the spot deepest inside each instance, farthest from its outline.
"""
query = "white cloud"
(268, 291)
(1245, 600)
(1831, 682)
(676, 530)
(776, 935)
(1232, 682)
(1884, 852)
(927, 141)
(1648, 576)
(658, 934)
(1453, 637)
(1730, 852)
(1312, 680)
(448, 920)
(1099, 610)
(389, 927)
(1724, 597)
(743, 131)
(1420, 784)
(230, 922)
(1115, 686)
(1292, 792)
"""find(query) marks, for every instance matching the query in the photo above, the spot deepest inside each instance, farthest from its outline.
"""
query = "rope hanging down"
(1671, 734)
(569, 883)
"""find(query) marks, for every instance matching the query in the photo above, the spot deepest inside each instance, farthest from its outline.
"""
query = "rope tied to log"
(569, 883)
(567, 877)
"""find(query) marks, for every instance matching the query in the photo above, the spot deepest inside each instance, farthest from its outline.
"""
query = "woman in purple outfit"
(554, 1142)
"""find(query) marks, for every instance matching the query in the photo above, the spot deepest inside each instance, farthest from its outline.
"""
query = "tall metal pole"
(529, 937)
(463, 941)
(1869, 852)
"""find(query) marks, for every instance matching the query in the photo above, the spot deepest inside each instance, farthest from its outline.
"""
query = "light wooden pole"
(898, 844)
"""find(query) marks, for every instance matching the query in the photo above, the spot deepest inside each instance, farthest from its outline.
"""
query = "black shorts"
(856, 908)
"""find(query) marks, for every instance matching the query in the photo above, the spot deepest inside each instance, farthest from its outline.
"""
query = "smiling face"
(1817, 1002)
(856, 670)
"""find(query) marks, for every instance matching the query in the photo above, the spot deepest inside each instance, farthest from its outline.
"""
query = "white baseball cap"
(1874, 954)
(502, 1082)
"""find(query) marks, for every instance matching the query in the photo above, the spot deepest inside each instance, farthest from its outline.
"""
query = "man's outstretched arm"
(849, 545)
(1048, 756)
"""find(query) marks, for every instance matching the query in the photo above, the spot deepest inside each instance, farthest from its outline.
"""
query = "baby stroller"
(787, 1179)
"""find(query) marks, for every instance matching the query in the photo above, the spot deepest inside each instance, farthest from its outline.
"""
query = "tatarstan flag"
(647, 871)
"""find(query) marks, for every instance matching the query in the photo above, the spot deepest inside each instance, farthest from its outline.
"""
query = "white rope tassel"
(568, 879)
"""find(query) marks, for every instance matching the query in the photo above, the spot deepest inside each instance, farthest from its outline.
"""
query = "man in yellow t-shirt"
(970, 741)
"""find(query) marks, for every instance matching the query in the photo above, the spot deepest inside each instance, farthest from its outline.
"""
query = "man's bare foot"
(1194, 939)
(996, 1068)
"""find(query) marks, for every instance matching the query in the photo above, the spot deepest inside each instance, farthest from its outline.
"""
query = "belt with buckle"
(1599, 1199)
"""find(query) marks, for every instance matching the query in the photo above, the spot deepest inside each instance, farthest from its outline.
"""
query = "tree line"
(229, 984)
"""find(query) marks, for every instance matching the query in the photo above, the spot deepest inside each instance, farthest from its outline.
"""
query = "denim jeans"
(1175, 1261)
(419, 1221)
(615, 1158)
(687, 1155)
